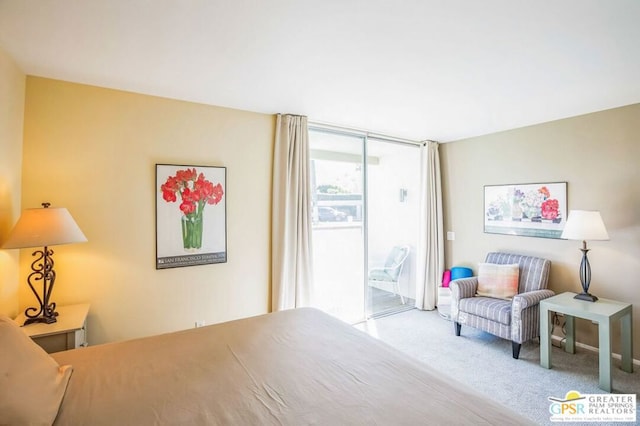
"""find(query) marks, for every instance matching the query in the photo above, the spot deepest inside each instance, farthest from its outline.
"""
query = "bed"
(294, 367)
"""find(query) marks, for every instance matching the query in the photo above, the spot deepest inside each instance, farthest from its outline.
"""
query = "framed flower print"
(533, 210)
(191, 217)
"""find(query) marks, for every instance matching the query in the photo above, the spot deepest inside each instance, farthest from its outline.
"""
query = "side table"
(604, 312)
(68, 332)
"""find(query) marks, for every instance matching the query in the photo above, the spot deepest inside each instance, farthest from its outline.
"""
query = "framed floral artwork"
(532, 210)
(191, 218)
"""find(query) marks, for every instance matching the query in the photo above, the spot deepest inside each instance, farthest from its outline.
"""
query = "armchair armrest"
(531, 298)
(525, 314)
(463, 288)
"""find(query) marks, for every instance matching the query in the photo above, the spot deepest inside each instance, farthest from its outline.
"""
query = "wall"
(12, 93)
(598, 155)
(94, 151)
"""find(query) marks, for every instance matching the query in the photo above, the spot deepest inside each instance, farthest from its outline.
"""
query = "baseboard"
(560, 340)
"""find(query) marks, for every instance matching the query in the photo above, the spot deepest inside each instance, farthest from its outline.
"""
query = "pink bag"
(446, 278)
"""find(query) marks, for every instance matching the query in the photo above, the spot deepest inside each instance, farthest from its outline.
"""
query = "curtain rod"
(350, 130)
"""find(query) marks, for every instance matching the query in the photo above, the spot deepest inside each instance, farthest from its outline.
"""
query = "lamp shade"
(43, 227)
(584, 225)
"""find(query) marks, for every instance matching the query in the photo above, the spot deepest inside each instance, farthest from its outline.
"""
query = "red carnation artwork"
(194, 192)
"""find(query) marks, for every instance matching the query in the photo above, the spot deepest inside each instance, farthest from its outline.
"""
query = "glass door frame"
(364, 136)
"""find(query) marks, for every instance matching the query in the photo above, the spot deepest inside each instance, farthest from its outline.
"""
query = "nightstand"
(69, 332)
(604, 312)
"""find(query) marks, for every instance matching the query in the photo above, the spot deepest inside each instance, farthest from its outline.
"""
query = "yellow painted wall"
(598, 155)
(12, 88)
(94, 151)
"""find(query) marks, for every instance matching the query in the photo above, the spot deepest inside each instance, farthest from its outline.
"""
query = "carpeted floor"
(483, 362)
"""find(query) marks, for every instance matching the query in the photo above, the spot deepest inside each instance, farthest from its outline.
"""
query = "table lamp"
(585, 225)
(43, 227)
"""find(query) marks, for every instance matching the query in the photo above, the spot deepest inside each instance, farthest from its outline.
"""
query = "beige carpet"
(483, 362)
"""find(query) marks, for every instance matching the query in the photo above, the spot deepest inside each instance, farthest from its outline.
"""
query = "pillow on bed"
(500, 281)
(32, 384)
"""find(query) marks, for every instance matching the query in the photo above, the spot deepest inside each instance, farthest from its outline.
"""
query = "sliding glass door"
(393, 203)
(365, 216)
(338, 224)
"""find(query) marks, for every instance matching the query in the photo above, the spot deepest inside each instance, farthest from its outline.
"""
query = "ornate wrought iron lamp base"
(42, 268)
(45, 319)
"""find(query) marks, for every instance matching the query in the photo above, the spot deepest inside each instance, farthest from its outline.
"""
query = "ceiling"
(417, 69)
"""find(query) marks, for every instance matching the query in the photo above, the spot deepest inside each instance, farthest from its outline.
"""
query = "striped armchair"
(518, 319)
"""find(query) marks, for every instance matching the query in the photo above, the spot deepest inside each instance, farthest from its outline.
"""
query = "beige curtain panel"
(292, 276)
(430, 250)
